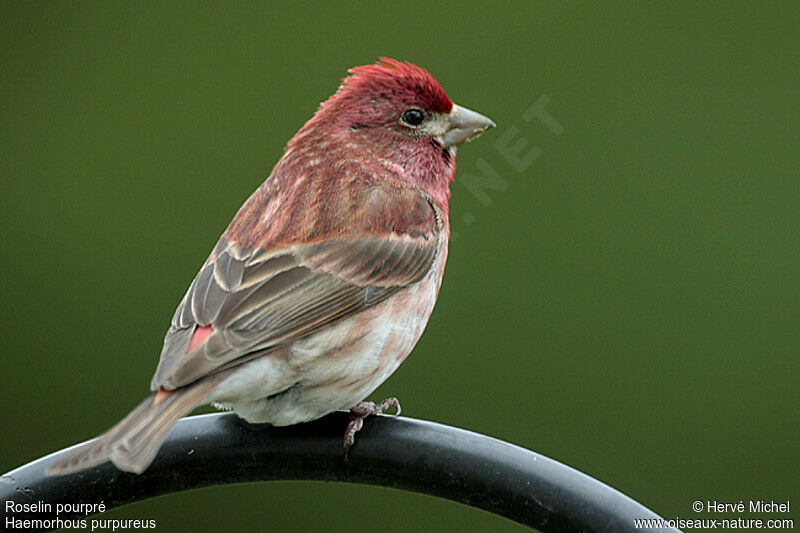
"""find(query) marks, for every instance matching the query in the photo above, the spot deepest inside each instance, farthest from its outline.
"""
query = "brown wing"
(257, 299)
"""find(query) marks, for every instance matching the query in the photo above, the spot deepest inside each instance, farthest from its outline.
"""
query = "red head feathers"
(405, 81)
(373, 94)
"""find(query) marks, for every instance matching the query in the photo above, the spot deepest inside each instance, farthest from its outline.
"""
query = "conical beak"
(464, 126)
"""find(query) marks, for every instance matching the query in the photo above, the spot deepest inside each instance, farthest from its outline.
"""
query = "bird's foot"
(362, 411)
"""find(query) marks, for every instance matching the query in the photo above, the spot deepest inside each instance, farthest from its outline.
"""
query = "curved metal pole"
(401, 453)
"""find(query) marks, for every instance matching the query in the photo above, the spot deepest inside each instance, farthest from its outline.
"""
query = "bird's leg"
(361, 411)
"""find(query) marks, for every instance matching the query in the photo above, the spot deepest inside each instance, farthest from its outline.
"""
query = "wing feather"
(258, 299)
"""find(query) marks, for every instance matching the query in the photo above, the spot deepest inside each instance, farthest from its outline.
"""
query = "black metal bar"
(401, 452)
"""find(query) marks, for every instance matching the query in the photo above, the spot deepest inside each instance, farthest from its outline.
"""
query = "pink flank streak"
(200, 335)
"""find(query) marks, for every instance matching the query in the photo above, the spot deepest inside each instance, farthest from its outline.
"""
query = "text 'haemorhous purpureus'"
(324, 280)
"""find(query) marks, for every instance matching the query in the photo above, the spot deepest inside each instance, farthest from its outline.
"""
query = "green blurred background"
(627, 304)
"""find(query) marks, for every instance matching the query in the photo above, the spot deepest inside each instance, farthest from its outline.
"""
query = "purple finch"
(326, 277)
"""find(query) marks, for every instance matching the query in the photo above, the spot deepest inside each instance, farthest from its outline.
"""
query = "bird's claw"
(361, 411)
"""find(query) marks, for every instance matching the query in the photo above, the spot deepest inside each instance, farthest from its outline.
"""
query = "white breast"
(334, 368)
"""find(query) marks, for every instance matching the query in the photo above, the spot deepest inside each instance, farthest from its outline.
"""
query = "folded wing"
(247, 301)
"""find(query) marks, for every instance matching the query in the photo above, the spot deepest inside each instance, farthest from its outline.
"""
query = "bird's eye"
(413, 117)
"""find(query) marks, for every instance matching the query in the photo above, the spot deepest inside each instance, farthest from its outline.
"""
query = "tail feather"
(133, 442)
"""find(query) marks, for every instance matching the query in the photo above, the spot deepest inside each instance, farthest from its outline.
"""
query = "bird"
(324, 280)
